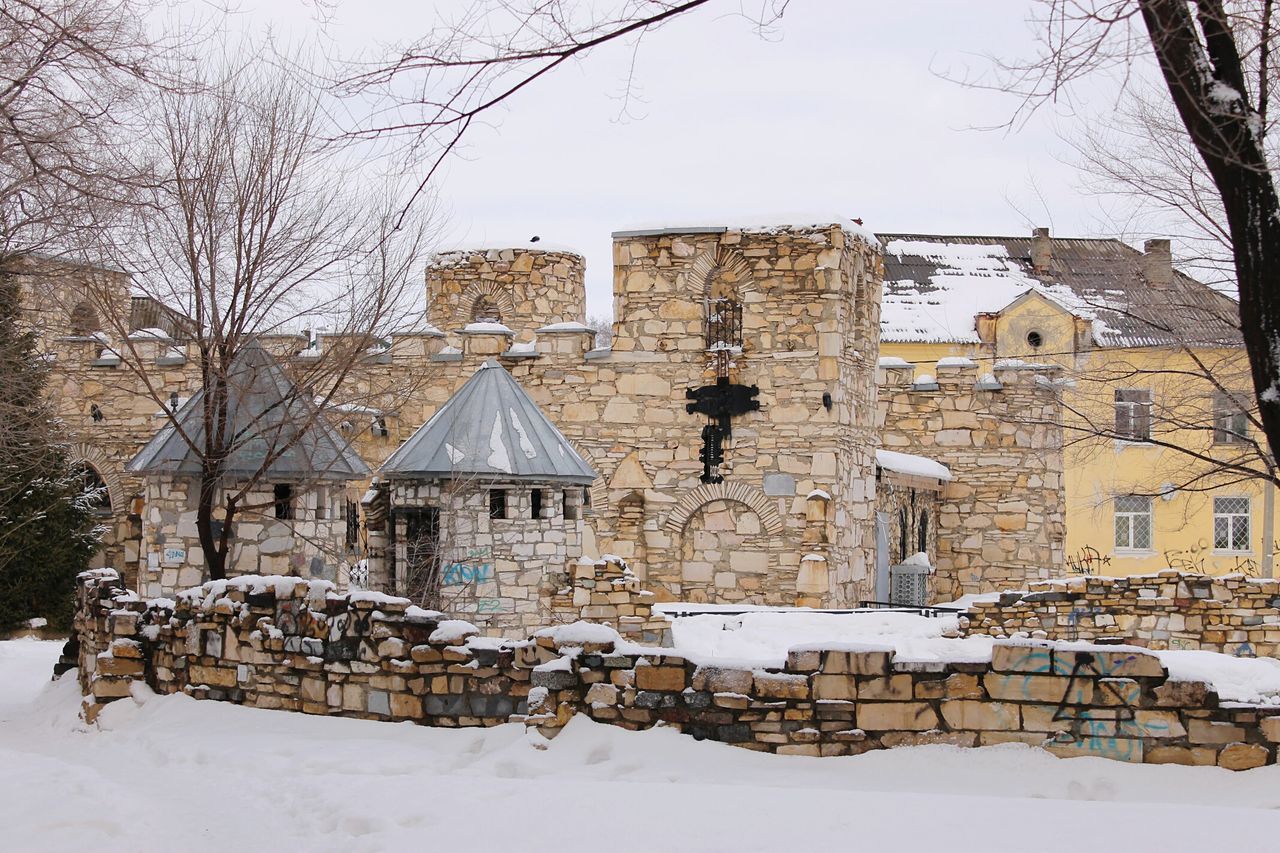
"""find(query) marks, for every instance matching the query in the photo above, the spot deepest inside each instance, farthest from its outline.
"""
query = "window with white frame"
(1231, 524)
(1133, 413)
(1133, 523)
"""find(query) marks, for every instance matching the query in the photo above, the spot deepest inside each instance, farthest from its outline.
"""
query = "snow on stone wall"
(292, 644)
(1235, 615)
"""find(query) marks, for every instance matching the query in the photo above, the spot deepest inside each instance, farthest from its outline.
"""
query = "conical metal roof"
(265, 412)
(489, 429)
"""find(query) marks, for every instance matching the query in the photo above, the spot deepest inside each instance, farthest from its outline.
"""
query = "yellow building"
(1164, 450)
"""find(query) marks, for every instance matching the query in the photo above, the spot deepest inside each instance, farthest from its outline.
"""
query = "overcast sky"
(843, 110)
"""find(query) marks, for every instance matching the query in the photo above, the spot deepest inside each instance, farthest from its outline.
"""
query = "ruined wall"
(276, 643)
(311, 544)
(1170, 610)
(1000, 522)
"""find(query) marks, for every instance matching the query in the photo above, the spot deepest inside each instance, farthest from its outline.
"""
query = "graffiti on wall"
(1087, 561)
(470, 584)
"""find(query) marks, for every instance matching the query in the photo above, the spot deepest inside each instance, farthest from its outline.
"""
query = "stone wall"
(1235, 615)
(529, 287)
(1001, 520)
(310, 544)
(293, 645)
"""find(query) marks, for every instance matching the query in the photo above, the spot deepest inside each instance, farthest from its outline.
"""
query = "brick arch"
(95, 458)
(491, 289)
(754, 499)
(706, 266)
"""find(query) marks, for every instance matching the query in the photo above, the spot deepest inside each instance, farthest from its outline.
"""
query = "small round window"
(1035, 339)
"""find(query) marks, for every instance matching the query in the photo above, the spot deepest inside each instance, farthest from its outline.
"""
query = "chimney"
(1157, 263)
(1041, 250)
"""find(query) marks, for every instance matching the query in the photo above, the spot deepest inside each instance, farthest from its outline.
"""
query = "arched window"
(924, 532)
(95, 488)
(724, 315)
(904, 535)
(485, 310)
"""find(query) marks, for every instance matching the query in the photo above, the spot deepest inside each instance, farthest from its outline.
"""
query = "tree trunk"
(1206, 82)
(215, 558)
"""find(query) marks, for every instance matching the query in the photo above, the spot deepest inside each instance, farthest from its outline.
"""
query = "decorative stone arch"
(87, 454)
(754, 499)
(490, 290)
(706, 267)
(599, 488)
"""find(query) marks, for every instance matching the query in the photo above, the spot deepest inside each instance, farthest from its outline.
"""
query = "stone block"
(406, 706)
(896, 716)
(970, 714)
(1038, 688)
(1213, 732)
(1270, 728)
(1189, 756)
(1022, 657)
(858, 663)
(1117, 749)
(1243, 756)
(781, 685)
(828, 686)
(216, 676)
(667, 678)
(719, 680)
(893, 688)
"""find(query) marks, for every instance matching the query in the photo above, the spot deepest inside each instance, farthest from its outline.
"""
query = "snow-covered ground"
(762, 638)
(173, 773)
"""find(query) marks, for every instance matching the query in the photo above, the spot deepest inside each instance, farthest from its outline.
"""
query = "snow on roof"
(454, 254)
(934, 285)
(789, 220)
(966, 280)
(906, 463)
(892, 361)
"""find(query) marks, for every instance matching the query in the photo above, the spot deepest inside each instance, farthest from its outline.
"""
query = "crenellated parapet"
(999, 431)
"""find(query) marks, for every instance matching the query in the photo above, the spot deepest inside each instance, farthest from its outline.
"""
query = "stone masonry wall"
(1235, 615)
(1001, 521)
(310, 544)
(531, 288)
(294, 645)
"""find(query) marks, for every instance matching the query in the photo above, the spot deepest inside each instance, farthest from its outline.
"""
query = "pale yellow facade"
(1178, 506)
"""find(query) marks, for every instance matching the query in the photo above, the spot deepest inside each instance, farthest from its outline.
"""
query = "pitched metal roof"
(489, 429)
(935, 284)
(265, 412)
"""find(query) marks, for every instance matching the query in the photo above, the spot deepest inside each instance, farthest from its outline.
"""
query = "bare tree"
(70, 78)
(256, 226)
(603, 327)
(1214, 59)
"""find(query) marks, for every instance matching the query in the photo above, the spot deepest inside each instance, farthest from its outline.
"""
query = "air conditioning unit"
(909, 585)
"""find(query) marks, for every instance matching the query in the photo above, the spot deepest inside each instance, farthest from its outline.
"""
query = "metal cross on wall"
(721, 403)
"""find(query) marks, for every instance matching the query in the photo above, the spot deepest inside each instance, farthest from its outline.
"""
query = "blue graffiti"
(461, 574)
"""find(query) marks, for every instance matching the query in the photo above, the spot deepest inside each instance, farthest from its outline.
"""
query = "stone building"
(484, 505)
(1162, 466)
(286, 466)
(733, 422)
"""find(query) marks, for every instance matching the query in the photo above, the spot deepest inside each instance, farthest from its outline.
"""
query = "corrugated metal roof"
(489, 429)
(265, 412)
(931, 295)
